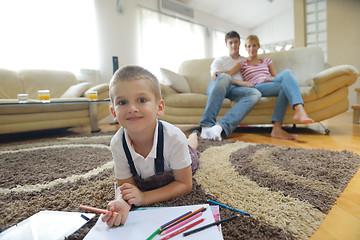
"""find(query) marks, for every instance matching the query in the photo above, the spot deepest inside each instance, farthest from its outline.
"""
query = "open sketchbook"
(142, 223)
(47, 225)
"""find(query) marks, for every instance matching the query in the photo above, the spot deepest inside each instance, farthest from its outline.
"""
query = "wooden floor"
(343, 221)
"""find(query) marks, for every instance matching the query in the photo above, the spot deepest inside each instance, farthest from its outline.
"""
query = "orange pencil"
(96, 210)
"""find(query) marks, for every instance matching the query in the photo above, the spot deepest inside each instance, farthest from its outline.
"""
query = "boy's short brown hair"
(133, 72)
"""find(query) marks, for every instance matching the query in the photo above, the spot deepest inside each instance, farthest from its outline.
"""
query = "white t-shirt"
(176, 153)
(225, 63)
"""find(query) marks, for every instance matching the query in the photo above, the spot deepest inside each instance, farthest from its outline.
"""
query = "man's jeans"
(286, 88)
(221, 88)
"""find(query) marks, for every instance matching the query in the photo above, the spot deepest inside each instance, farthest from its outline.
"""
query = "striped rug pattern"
(288, 191)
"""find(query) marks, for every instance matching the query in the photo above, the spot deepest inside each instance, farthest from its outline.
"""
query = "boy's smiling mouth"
(133, 118)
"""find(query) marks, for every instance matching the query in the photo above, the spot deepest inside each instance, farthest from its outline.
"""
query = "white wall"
(278, 29)
(343, 34)
(119, 36)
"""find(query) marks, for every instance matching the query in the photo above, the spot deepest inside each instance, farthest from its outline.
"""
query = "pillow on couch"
(175, 80)
(76, 90)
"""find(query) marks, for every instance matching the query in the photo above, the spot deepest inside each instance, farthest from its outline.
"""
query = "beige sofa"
(63, 86)
(324, 91)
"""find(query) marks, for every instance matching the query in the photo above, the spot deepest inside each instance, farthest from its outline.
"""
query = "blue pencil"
(230, 208)
(164, 225)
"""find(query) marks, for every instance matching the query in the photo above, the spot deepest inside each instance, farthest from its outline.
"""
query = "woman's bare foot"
(300, 114)
(278, 132)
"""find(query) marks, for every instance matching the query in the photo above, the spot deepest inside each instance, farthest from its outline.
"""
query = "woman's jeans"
(221, 88)
(286, 88)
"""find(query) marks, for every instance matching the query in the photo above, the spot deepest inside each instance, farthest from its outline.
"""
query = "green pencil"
(154, 234)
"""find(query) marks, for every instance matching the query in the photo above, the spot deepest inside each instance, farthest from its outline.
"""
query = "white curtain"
(167, 41)
(219, 46)
(48, 34)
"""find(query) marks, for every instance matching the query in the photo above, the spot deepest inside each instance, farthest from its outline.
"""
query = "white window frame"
(316, 35)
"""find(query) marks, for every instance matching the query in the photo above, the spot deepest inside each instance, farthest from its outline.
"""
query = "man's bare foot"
(278, 132)
(300, 114)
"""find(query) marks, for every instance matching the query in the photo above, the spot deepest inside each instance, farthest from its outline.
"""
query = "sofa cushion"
(175, 80)
(197, 74)
(10, 84)
(304, 62)
(190, 100)
(54, 80)
(76, 90)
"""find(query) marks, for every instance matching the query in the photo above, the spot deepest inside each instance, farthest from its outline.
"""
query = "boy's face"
(135, 105)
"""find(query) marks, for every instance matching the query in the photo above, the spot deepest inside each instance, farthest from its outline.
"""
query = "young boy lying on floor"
(153, 160)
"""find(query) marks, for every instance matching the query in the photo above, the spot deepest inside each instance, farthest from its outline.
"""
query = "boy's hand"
(132, 194)
(121, 208)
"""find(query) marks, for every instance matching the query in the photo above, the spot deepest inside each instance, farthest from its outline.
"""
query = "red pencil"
(96, 210)
(183, 229)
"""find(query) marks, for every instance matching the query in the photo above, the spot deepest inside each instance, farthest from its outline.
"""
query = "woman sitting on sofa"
(261, 73)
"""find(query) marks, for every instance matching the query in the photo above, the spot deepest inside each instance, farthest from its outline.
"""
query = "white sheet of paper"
(142, 223)
(46, 225)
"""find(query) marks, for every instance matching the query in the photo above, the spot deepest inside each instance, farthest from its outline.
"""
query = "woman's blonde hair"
(252, 38)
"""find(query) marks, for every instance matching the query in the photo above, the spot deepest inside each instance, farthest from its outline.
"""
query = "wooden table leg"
(93, 117)
(356, 114)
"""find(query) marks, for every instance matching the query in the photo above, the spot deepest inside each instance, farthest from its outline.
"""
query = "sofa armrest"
(102, 90)
(166, 89)
(331, 79)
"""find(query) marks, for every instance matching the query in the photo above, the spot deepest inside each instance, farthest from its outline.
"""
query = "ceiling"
(246, 13)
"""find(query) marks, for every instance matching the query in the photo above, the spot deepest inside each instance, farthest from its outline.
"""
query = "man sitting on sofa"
(226, 86)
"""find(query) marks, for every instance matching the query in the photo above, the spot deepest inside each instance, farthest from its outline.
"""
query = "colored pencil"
(85, 217)
(154, 234)
(228, 207)
(183, 229)
(202, 209)
(164, 225)
(96, 210)
(173, 222)
(209, 225)
(180, 224)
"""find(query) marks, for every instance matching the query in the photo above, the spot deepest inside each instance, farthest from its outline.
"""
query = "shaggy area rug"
(288, 191)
